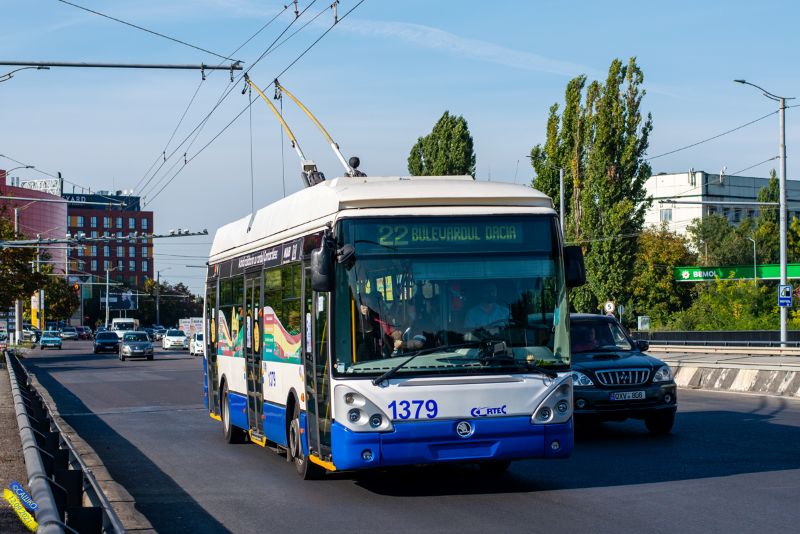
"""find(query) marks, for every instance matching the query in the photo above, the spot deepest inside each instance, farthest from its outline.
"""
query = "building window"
(736, 215)
(106, 251)
(80, 252)
(106, 234)
(80, 221)
(131, 251)
(119, 222)
(94, 233)
(120, 251)
(120, 265)
(145, 266)
(106, 222)
(93, 250)
(726, 212)
(93, 222)
(132, 281)
(144, 224)
(131, 223)
(132, 265)
(94, 265)
(106, 265)
(666, 215)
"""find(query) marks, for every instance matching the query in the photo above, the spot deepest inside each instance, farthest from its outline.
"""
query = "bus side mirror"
(574, 269)
(322, 262)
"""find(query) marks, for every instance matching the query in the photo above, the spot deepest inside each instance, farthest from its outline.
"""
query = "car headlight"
(126, 348)
(663, 374)
(580, 379)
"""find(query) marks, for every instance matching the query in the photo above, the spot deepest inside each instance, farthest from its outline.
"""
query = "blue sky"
(378, 80)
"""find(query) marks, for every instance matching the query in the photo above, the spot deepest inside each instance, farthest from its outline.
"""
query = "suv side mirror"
(574, 269)
(322, 262)
(642, 344)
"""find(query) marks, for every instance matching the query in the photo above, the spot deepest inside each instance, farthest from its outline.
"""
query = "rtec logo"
(485, 411)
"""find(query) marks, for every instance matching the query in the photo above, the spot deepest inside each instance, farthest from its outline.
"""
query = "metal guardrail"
(722, 343)
(724, 338)
(59, 480)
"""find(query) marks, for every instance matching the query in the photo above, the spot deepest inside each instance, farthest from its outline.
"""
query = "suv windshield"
(597, 335)
(136, 336)
(462, 294)
(103, 336)
(175, 333)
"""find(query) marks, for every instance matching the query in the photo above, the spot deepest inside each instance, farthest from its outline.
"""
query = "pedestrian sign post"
(785, 296)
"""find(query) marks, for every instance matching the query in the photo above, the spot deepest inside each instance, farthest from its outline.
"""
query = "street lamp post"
(781, 100)
(8, 75)
(755, 275)
(158, 295)
(107, 284)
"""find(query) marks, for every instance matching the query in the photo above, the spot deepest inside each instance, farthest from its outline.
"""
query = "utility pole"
(107, 271)
(158, 298)
(17, 302)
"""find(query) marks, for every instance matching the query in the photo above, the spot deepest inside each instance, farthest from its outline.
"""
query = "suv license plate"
(627, 395)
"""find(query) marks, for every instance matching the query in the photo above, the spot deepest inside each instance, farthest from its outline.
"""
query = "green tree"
(654, 290)
(446, 151)
(600, 140)
(17, 281)
(730, 305)
(60, 299)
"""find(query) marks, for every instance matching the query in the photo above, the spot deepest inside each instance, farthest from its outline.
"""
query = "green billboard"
(734, 272)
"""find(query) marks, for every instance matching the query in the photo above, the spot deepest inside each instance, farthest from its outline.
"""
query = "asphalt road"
(730, 465)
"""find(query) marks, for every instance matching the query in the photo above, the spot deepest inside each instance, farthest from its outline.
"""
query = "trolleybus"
(383, 321)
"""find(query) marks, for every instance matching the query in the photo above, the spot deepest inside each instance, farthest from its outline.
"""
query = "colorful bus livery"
(371, 322)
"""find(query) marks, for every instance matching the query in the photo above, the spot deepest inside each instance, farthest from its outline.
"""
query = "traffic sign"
(609, 307)
(785, 296)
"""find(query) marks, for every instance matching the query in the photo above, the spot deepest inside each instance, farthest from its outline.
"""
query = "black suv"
(106, 342)
(614, 379)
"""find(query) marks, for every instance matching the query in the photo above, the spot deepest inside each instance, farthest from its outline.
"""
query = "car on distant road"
(135, 343)
(50, 339)
(174, 339)
(106, 342)
(613, 379)
(3, 341)
(29, 333)
(69, 332)
(196, 344)
(84, 332)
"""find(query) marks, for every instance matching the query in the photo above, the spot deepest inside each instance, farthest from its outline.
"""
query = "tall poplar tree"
(446, 151)
(600, 140)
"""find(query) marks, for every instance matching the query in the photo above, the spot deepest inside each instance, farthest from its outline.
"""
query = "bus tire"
(304, 468)
(232, 433)
(495, 467)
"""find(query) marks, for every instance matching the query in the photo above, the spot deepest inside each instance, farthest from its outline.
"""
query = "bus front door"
(253, 368)
(211, 349)
(317, 373)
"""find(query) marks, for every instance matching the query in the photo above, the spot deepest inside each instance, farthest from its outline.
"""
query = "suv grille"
(622, 377)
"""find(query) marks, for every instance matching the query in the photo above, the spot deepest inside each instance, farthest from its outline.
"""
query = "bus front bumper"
(431, 442)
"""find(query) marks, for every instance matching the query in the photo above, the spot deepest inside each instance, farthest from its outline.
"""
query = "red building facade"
(39, 214)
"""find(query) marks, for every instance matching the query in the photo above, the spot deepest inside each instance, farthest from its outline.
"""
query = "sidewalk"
(12, 465)
(739, 371)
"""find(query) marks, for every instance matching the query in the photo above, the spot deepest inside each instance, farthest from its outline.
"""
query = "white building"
(702, 186)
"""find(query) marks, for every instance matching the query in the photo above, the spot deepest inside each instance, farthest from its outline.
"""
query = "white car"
(174, 339)
(196, 345)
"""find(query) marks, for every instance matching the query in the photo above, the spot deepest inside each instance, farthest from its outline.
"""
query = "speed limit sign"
(609, 307)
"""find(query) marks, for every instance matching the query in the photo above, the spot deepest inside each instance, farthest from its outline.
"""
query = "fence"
(69, 498)
(740, 338)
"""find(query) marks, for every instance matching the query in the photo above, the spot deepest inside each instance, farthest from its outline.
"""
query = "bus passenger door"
(317, 373)
(212, 373)
(252, 352)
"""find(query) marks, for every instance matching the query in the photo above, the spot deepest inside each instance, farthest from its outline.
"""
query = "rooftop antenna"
(309, 173)
(349, 169)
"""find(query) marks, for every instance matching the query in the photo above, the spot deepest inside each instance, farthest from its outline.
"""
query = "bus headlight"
(557, 406)
(357, 413)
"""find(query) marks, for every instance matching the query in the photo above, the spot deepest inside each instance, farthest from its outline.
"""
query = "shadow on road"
(705, 444)
(158, 497)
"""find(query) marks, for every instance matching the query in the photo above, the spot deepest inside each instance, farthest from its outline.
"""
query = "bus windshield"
(122, 325)
(462, 295)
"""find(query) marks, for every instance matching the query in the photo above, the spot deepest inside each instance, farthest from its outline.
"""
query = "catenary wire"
(290, 65)
(145, 30)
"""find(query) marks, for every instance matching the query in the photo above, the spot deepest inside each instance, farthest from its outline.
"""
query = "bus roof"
(312, 204)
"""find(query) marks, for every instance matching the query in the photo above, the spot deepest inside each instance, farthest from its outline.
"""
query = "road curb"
(121, 501)
(738, 379)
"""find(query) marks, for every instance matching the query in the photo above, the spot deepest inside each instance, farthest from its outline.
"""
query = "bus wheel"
(232, 434)
(305, 469)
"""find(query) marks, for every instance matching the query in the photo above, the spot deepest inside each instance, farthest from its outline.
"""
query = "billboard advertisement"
(119, 300)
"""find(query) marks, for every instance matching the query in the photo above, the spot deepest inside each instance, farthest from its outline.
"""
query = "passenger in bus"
(488, 314)
(369, 330)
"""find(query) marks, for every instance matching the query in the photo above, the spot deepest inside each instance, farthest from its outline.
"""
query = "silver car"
(135, 344)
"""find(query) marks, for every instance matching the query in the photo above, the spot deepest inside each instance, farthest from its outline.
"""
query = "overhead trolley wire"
(191, 101)
(290, 65)
(146, 30)
(226, 92)
(712, 138)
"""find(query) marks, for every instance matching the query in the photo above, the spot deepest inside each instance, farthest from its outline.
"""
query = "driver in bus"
(487, 314)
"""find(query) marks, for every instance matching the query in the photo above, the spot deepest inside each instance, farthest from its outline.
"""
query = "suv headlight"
(358, 413)
(663, 374)
(580, 379)
(557, 406)
(126, 348)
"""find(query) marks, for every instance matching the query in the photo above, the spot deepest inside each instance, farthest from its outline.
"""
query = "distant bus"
(120, 325)
(372, 322)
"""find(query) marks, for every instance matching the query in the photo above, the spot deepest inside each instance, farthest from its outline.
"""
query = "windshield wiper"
(391, 372)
